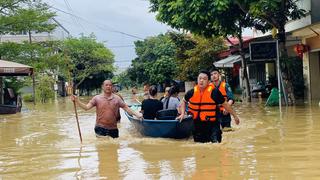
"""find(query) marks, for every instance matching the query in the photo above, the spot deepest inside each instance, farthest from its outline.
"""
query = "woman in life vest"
(202, 105)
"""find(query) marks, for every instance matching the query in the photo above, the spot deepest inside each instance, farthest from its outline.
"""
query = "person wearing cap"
(224, 88)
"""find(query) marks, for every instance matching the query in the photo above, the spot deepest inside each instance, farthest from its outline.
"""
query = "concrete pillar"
(306, 74)
(270, 70)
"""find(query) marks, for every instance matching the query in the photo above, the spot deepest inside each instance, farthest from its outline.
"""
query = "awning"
(227, 62)
(8, 68)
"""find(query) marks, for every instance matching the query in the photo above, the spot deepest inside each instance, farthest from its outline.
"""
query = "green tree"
(17, 16)
(43, 56)
(173, 55)
(87, 58)
(275, 14)
(45, 89)
(149, 51)
(162, 70)
(207, 18)
(200, 57)
(123, 79)
(210, 18)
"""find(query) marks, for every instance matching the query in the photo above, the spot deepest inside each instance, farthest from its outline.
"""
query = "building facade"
(59, 33)
(309, 32)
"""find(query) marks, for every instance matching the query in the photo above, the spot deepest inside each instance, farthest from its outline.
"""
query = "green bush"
(44, 89)
(27, 98)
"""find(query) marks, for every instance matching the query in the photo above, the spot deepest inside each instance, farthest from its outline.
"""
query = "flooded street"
(42, 142)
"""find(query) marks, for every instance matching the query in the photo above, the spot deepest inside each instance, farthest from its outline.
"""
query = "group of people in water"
(209, 104)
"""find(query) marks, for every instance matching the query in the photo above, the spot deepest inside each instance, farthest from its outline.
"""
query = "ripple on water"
(43, 142)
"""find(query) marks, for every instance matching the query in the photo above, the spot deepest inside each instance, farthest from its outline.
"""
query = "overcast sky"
(110, 20)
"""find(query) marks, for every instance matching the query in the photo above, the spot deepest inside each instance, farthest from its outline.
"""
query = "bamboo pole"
(78, 125)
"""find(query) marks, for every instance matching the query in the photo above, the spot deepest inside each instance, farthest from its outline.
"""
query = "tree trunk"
(283, 66)
(244, 75)
(29, 33)
(282, 41)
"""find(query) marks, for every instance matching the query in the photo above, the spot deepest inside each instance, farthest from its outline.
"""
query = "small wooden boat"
(167, 127)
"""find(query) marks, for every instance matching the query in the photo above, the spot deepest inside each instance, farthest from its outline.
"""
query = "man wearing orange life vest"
(224, 88)
(202, 105)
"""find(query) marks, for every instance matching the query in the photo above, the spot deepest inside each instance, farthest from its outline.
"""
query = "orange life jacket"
(201, 105)
(222, 89)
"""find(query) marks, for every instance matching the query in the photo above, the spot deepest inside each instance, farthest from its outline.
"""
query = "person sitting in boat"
(150, 106)
(146, 94)
(171, 101)
(166, 93)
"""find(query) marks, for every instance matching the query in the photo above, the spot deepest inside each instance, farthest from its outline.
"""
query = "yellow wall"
(314, 75)
(313, 42)
(311, 68)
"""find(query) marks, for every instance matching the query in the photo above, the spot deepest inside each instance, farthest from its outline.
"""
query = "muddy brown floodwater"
(42, 142)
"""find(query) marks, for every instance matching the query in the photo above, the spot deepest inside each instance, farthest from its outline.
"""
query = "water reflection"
(108, 163)
(184, 160)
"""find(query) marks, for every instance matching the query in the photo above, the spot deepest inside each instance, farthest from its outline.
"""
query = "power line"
(104, 28)
(75, 19)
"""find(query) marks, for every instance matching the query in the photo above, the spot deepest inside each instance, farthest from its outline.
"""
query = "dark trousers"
(100, 131)
(207, 131)
(225, 120)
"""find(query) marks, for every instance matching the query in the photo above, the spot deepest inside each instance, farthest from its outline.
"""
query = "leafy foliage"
(164, 69)
(87, 58)
(200, 57)
(173, 55)
(228, 17)
(123, 80)
(14, 83)
(25, 15)
(145, 67)
(44, 89)
(40, 55)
